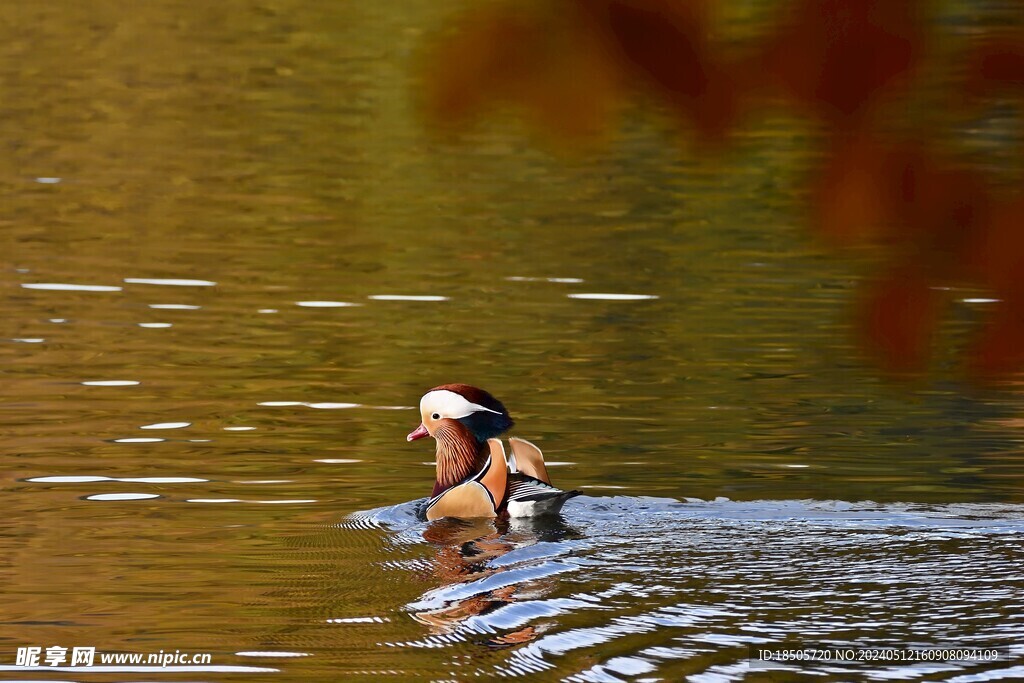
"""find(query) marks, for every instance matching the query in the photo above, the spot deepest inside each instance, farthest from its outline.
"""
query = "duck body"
(499, 488)
(474, 476)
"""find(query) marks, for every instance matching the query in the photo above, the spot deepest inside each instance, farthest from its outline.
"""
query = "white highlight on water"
(605, 296)
(111, 383)
(173, 282)
(213, 500)
(332, 406)
(90, 479)
(122, 496)
(322, 405)
(65, 287)
(558, 280)
(284, 502)
(161, 480)
(167, 425)
(407, 297)
(325, 304)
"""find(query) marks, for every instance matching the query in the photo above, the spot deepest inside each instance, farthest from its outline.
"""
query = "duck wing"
(528, 459)
(531, 497)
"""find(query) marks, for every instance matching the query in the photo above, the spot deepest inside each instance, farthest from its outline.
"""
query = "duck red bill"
(417, 433)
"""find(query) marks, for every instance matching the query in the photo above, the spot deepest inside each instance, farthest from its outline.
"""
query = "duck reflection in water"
(475, 583)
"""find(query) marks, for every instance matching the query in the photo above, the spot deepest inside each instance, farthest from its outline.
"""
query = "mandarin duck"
(474, 477)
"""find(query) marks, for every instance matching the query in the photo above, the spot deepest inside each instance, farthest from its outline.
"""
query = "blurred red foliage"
(848, 65)
(838, 57)
(897, 316)
(996, 64)
(664, 44)
(549, 60)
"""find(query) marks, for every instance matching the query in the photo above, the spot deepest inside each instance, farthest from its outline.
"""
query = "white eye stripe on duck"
(449, 404)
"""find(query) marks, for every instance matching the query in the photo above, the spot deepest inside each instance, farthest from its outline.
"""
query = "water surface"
(231, 264)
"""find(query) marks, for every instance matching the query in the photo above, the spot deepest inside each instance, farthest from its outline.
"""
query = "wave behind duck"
(617, 588)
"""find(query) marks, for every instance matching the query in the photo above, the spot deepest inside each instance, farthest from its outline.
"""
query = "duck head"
(479, 413)
(461, 418)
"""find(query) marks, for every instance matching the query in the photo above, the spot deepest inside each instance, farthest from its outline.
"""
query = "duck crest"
(488, 423)
(459, 455)
(475, 395)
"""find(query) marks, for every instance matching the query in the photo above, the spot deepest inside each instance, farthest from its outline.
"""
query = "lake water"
(232, 263)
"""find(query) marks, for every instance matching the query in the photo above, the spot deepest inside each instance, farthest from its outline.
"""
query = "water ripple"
(622, 587)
